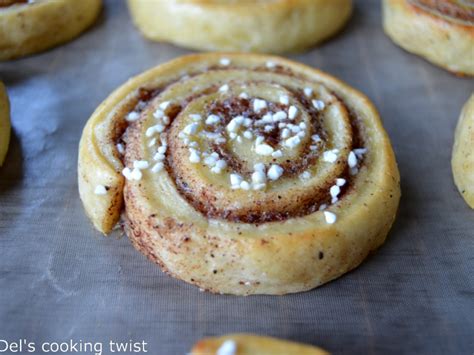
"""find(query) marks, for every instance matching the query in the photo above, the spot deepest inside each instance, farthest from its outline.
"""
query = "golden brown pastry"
(28, 27)
(241, 25)
(463, 153)
(4, 123)
(241, 174)
(442, 31)
(248, 344)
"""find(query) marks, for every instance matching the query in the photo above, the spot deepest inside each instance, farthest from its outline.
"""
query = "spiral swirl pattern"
(224, 151)
(457, 10)
(219, 146)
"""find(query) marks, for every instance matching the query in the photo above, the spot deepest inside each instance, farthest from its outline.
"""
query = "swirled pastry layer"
(28, 27)
(241, 173)
(442, 31)
(4, 123)
(463, 153)
(249, 344)
(255, 26)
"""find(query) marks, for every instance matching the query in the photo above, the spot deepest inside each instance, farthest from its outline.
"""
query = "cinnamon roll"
(441, 31)
(241, 174)
(463, 153)
(269, 26)
(31, 26)
(4, 123)
(248, 344)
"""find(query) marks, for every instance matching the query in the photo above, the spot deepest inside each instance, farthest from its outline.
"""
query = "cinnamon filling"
(7, 3)
(460, 10)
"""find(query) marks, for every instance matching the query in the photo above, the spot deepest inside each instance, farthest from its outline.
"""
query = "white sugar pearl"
(330, 217)
(280, 116)
(120, 148)
(360, 151)
(293, 142)
(330, 156)
(100, 190)
(158, 114)
(221, 164)
(277, 154)
(284, 100)
(285, 133)
(259, 177)
(224, 62)
(340, 182)
(263, 149)
(248, 134)
(210, 161)
(224, 88)
(195, 117)
(305, 175)
(292, 112)
(235, 179)
(318, 104)
(191, 128)
(212, 119)
(233, 126)
(352, 160)
(259, 167)
(140, 164)
(244, 185)
(194, 157)
(259, 105)
(270, 65)
(275, 172)
(157, 167)
(229, 347)
(164, 105)
(132, 116)
(334, 191)
(136, 174)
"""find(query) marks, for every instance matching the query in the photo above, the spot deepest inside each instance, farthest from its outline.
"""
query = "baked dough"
(4, 123)
(324, 198)
(229, 25)
(463, 153)
(248, 344)
(442, 31)
(27, 28)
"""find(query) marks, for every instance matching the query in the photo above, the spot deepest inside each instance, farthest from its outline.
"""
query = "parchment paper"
(60, 280)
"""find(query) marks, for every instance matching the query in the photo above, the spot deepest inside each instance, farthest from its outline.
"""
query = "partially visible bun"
(440, 31)
(4, 123)
(463, 153)
(27, 28)
(248, 344)
(228, 25)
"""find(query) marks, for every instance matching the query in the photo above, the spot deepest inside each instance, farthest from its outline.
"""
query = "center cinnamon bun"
(241, 174)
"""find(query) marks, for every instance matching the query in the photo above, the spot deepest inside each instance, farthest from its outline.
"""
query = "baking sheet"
(61, 281)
